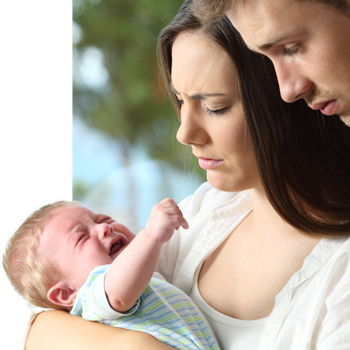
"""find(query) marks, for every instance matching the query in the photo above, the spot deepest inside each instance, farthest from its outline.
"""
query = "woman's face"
(212, 118)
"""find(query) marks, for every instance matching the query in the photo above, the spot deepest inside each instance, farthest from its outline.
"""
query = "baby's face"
(77, 240)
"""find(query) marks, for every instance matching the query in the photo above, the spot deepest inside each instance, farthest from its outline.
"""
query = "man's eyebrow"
(273, 41)
(278, 38)
(201, 96)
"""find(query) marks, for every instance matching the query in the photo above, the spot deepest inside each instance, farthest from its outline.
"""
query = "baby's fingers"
(169, 207)
(181, 222)
(167, 202)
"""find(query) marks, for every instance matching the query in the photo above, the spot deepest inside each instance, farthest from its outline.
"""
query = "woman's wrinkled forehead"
(206, 44)
(200, 65)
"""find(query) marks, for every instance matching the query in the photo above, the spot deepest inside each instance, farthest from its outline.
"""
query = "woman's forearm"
(57, 330)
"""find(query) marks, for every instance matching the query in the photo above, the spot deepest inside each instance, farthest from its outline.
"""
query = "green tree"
(131, 106)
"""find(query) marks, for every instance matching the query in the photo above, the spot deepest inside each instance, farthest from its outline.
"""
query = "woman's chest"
(243, 276)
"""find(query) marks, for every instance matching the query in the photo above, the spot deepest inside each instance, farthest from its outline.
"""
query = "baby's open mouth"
(116, 247)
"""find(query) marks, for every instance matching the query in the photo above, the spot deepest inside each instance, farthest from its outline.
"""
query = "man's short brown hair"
(210, 10)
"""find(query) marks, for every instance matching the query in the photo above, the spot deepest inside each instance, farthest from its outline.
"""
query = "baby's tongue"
(115, 248)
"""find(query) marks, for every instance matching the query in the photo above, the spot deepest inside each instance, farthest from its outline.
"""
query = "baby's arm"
(131, 271)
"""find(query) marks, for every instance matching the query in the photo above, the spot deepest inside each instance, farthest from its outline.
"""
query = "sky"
(35, 130)
(126, 194)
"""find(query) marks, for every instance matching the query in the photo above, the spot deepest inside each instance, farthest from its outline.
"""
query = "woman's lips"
(207, 163)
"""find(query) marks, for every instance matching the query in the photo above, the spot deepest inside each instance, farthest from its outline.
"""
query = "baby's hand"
(165, 217)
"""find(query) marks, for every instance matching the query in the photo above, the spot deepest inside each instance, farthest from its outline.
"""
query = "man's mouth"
(327, 107)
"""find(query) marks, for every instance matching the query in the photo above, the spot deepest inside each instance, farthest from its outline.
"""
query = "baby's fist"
(165, 217)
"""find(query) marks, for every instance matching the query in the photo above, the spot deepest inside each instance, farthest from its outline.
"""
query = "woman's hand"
(57, 330)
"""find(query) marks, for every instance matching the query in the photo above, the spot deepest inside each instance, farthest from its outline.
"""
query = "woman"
(286, 284)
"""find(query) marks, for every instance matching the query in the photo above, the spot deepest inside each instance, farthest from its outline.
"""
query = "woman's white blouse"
(311, 312)
(234, 334)
(313, 309)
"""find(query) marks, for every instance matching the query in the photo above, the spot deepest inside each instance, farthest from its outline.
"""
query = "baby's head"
(52, 253)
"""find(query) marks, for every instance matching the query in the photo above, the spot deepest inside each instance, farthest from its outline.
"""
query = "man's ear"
(61, 294)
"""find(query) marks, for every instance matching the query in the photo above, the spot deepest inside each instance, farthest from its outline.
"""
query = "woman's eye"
(179, 102)
(291, 50)
(216, 113)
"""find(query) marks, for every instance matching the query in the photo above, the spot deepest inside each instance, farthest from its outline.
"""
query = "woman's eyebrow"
(205, 95)
(173, 89)
(200, 96)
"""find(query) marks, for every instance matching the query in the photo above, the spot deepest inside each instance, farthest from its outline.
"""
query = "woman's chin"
(222, 184)
(231, 184)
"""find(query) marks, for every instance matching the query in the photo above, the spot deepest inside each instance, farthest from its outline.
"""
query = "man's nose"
(293, 85)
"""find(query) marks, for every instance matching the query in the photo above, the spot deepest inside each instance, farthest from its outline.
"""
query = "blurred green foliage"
(132, 105)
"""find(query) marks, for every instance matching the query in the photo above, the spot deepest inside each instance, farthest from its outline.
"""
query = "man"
(308, 42)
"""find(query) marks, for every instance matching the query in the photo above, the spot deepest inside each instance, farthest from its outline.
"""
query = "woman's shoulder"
(340, 259)
(334, 257)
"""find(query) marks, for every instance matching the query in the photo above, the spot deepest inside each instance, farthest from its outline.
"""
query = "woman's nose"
(191, 131)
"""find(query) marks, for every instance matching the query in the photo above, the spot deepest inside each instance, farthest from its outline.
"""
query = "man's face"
(309, 45)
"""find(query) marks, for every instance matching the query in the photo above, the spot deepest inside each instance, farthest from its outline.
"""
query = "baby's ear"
(61, 294)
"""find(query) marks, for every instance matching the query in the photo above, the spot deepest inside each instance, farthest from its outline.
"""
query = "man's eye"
(291, 50)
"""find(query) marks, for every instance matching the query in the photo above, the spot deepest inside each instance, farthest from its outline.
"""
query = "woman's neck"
(266, 222)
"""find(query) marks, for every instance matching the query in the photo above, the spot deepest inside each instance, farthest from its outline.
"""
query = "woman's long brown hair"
(303, 157)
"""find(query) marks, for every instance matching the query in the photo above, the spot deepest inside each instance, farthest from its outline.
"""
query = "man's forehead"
(264, 23)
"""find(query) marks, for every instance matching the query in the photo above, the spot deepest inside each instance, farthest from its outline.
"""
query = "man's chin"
(346, 120)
